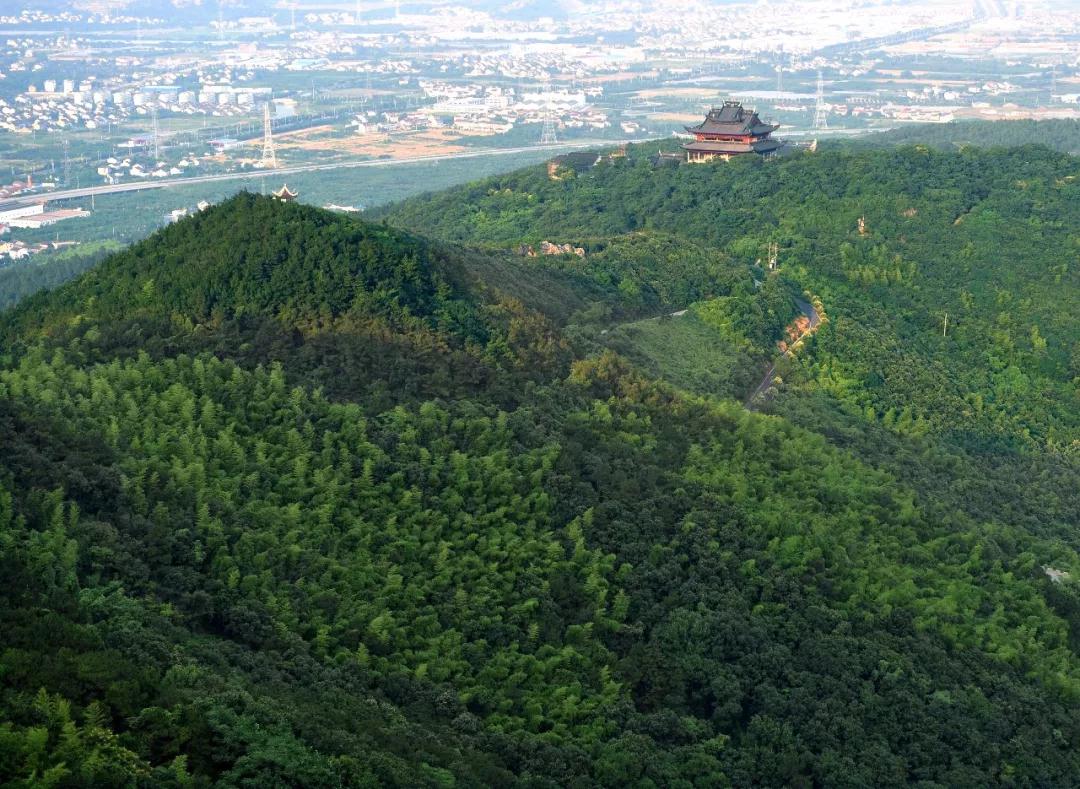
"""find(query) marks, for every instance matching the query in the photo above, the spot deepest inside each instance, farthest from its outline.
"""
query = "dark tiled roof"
(764, 128)
(662, 158)
(732, 118)
(22, 201)
(577, 160)
(724, 147)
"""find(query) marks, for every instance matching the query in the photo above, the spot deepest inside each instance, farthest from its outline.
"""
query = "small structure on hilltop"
(578, 161)
(666, 159)
(730, 130)
(285, 195)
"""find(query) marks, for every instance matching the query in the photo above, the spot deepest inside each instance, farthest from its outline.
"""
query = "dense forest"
(1061, 134)
(49, 270)
(292, 499)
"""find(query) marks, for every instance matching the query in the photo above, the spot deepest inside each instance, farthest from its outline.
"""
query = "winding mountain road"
(808, 310)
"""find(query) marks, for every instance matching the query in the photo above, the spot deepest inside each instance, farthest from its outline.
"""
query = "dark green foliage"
(988, 237)
(19, 280)
(255, 256)
(293, 500)
(1059, 134)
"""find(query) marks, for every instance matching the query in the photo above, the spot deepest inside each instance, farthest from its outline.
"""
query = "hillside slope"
(294, 500)
(1061, 134)
(891, 241)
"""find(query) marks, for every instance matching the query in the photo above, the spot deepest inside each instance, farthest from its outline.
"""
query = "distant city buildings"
(138, 105)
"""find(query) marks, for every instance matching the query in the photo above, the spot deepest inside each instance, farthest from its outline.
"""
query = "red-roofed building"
(730, 131)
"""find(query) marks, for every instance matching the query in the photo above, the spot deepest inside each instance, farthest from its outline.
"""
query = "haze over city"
(541, 394)
(113, 96)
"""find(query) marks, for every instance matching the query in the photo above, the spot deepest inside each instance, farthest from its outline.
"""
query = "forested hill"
(252, 256)
(982, 413)
(291, 499)
(355, 308)
(1059, 134)
(989, 237)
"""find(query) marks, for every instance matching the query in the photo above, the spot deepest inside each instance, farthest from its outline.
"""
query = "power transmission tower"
(157, 143)
(547, 134)
(821, 112)
(67, 164)
(269, 155)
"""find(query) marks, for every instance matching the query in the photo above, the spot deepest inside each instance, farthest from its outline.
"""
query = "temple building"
(285, 194)
(730, 131)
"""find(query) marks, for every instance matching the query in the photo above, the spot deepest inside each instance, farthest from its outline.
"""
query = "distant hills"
(1058, 134)
(291, 498)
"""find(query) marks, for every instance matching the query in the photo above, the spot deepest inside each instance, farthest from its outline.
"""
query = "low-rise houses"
(22, 214)
(480, 108)
(21, 250)
(60, 106)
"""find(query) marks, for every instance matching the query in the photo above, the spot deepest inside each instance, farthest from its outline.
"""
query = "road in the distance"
(65, 194)
(808, 310)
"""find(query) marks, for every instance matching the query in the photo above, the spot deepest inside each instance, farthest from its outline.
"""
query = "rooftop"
(732, 118)
(722, 147)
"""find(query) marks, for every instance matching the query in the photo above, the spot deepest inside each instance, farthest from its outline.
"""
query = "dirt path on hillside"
(756, 399)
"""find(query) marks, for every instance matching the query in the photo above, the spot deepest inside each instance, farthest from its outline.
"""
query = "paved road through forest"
(808, 310)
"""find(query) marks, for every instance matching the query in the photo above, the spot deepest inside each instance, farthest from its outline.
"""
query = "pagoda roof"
(732, 118)
(284, 193)
(722, 147)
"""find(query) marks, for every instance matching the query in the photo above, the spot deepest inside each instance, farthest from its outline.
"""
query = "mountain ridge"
(442, 514)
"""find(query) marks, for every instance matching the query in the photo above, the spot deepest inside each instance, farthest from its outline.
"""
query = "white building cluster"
(480, 108)
(57, 105)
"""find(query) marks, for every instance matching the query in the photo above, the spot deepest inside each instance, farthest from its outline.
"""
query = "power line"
(67, 164)
(547, 134)
(821, 112)
(269, 155)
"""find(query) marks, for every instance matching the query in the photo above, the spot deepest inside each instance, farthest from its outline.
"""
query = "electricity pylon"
(821, 112)
(67, 163)
(547, 134)
(269, 155)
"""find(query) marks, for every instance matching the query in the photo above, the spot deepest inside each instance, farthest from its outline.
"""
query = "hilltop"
(292, 498)
(1059, 134)
(891, 240)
